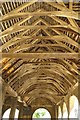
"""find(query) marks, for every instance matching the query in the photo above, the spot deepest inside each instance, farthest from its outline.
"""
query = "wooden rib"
(58, 75)
(74, 28)
(59, 43)
(39, 91)
(17, 28)
(31, 82)
(32, 75)
(27, 46)
(20, 39)
(44, 96)
(20, 28)
(50, 62)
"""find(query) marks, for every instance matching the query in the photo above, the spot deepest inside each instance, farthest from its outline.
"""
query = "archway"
(59, 113)
(41, 113)
(65, 111)
(74, 106)
(7, 113)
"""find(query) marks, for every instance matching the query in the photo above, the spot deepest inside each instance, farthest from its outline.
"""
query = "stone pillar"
(28, 112)
(68, 106)
(3, 89)
(13, 107)
(21, 108)
(25, 112)
(53, 112)
(56, 112)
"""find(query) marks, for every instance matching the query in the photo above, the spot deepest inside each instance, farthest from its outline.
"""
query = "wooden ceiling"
(39, 45)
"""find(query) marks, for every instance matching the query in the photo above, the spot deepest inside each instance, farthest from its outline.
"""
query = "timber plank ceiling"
(39, 45)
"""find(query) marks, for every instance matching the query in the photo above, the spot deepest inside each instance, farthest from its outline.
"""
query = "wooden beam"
(44, 96)
(27, 46)
(20, 28)
(67, 14)
(9, 89)
(20, 39)
(41, 55)
(17, 24)
(58, 6)
(19, 8)
(55, 70)
(17, 28)
(58, 20)
(73, 26)
(72, 21)
(52, 74)
(31, 64)
(42, 89)
(70, 4)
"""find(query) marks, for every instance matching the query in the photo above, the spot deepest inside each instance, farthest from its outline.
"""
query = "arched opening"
(41, 113)
(65, 112)
(7, 113)
(74, 104)
(59, 112)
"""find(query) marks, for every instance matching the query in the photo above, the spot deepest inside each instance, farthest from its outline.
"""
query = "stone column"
(68, 106)
(28, 112)
(25, 112)
(3, 89)
(21, 107)
(62, 108)
(53, 112)
(13, 107)
(56, 112)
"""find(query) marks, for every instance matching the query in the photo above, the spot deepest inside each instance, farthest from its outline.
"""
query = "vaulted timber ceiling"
(39, 47)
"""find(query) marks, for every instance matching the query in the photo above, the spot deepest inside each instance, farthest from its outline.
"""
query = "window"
(7, 113)
(73, 107)
(65, 112)
(41, 113)
(59, 112)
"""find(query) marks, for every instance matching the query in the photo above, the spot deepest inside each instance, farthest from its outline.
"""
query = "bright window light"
(60, 113)
(65, 112)
(7, 113)
(41, 113)
(74, 104)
